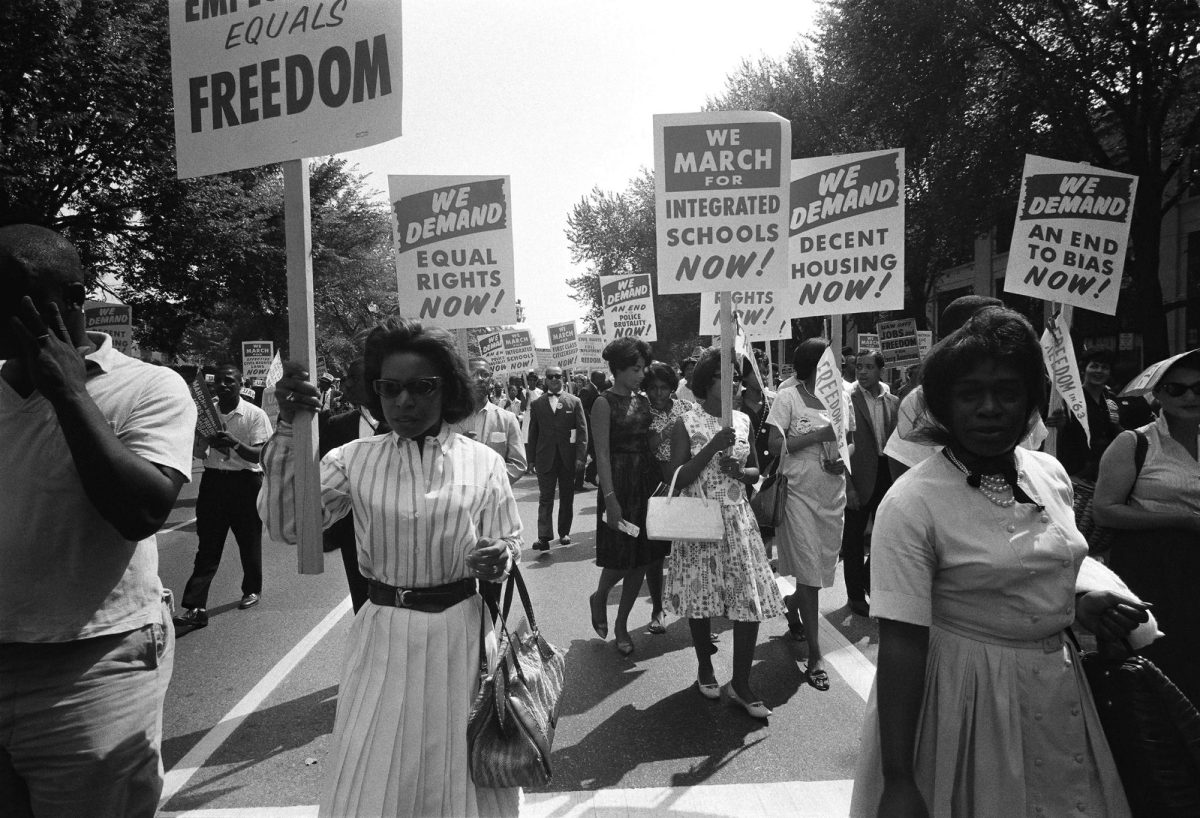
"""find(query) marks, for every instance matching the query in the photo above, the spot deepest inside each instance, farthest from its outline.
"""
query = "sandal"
(600, 626)
(624, 646)
(817, 677)
(656, 627)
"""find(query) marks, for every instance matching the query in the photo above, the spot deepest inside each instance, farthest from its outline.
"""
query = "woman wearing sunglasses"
(434, 515)
(1156, 512)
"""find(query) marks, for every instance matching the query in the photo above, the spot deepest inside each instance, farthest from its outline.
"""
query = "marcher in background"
(334, 431)
(440, 518)
(558, 450)
(811, 535)
(729, 577)
(628, 475)
(980, 706)
(328, 394)
(1080, 459)
(591, 391)
(96, 448)
(875, 410)
(227, 497)
(496, 428)
(1156, 512)
(659, 384)
(683, 391)
(533, 391)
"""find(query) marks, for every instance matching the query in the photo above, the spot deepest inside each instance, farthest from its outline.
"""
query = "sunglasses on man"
(1177, 390)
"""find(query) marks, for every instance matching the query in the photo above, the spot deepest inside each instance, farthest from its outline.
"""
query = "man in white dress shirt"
(496, 428)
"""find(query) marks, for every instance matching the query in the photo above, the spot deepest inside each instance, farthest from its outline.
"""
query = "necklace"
(992, 486)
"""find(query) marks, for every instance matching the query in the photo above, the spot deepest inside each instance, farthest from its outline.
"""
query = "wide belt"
(426, 600)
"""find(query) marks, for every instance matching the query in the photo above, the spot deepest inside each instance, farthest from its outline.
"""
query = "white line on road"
(179, 775)
(846, 659)
(177, 526)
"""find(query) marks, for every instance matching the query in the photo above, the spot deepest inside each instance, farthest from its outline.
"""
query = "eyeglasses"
(554, 377)
(417, 387)
(1177, 390)
(481, 375)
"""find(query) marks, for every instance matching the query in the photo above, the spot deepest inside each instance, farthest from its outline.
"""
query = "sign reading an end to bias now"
(759, 315)
(454, 251)
(255, 83)
(846, 234)
(721, 186)
(628, 307)
(1071, 232)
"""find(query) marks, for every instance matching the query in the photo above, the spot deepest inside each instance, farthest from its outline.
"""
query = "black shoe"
(860, 607)
(248, 601)
(541, 545)
(192, 618)
(564, 540)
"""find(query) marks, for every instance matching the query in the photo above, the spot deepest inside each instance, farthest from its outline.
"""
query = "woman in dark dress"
(628, 474)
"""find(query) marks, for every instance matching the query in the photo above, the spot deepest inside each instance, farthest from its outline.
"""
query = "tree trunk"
(1144, 238)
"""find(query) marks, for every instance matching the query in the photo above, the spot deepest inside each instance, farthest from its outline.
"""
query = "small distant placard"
(114, 320)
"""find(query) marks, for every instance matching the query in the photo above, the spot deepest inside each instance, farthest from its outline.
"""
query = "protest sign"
(254, 85)
(898, 341)
(517, 348)
(1072, 228)
(454, 256)
(1059, 355)
(600, 328)
(846, 234)
(543, 358)
(564, 345)
(924, 342)
(828, 388)
(208, 422)
(868, 340)
(591, 349)
(269, 404)
(721, 186)
(492, 348)
(256, 360)
(628, 306)
(114, 320)
(758, 313)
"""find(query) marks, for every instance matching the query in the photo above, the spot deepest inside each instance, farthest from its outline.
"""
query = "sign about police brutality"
(628, 306)
(1069, 240)
(721, 186)
(564, 344)
(260, 82)
(114, 320)
(591, 349)
(846, 234)
(454, 251)
(758, 312)
(256, 360)
(492, 348)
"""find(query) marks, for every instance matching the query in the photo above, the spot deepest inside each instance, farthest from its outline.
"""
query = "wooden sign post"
(726, 359)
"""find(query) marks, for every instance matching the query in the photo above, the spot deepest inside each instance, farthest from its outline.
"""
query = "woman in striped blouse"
(434, 515)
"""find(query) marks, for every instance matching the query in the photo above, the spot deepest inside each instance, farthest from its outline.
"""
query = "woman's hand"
(294, 392)
(902, 799)
(612, 512)
(723, 439)
(1109, 615)
(489, 559)
(732, 467)
(1056, 419)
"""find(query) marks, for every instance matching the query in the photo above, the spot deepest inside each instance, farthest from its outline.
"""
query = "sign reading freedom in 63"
(255, 83)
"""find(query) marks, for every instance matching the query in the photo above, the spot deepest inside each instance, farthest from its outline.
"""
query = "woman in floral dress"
(729, 577)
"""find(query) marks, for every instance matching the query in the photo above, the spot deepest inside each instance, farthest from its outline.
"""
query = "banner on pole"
(253, 85)
(564, 344)
(591, 351)
(114, 320)
(256, 360)
(721, 187)
(628, 306)
(758, 313)
(1059, 355)
(846, 234)
(898, 341)
(828, 389)
(1072, 228)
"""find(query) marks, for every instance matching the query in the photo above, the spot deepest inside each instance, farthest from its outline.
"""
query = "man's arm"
(514, 455)
(581, 435)
(535, 430)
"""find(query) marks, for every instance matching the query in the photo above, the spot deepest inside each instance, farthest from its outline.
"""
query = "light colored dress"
(811, 535)
(661, 423)
(731, 577)
(409, 678)
(1007, 724)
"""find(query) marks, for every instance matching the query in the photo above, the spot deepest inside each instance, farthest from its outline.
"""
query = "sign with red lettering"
(256, 83)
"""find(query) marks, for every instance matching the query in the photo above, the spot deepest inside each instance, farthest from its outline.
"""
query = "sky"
(560, 96)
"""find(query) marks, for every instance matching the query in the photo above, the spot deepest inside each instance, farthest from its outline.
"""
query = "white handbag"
(684, 518)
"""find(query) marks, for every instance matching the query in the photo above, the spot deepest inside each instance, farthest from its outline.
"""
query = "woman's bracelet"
(610, 494)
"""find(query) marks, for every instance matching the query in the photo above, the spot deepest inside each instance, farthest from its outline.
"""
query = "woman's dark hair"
(807, 354)
(658, 371)
(431, 343)
(624, 353)
(707, 372)
(1100, 355)
(992, 334)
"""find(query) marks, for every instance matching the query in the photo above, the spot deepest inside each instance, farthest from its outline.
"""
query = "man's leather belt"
(426, 600)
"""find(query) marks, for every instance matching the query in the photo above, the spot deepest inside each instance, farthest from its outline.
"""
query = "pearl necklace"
(992, 486)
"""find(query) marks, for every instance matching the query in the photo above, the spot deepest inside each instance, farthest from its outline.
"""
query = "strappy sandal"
(656, 627)
(817, 677)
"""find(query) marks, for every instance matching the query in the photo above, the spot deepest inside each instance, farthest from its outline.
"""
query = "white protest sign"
(1059, 355)
(721, 185)
(924, 342)
(828, 389)
(454, 256)
(1072, 228)
(846, 234)
(517, 348)
(274, 373)
(564, 344)
(256, 84)
(628, 306)
(758, 313)
(256, 360)
(898, 341)
(114, 320)
(600, 327)
(591, 349)
(544, 358)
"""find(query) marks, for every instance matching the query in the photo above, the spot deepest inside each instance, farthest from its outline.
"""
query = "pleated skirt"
(400, 736)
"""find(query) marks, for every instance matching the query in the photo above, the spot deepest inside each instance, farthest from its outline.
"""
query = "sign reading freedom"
(256, 83)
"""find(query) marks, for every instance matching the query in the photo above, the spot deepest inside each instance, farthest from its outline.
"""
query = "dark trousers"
(561, 475)
(354, 577)
(855, 565)
(226, 500)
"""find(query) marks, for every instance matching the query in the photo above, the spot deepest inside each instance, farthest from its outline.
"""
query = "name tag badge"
(497, 437)
(573, 431)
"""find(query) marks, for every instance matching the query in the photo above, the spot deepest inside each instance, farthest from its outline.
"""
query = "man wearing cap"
(96, 448)
(1079, 457)
(558, 445)
(492, 426)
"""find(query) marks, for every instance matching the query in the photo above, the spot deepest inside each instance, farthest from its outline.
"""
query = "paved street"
(251, 707)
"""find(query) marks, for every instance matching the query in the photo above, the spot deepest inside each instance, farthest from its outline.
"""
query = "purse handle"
(500, 615)
(698, 483)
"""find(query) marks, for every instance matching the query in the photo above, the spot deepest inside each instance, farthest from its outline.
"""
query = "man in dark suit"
(558, 439)
(587, 395)
(875, 411)
(337, 430)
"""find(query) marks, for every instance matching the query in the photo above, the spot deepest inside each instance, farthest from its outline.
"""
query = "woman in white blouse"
(434, 515)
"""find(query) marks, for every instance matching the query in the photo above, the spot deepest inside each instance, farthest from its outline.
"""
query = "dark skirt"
(634, 476)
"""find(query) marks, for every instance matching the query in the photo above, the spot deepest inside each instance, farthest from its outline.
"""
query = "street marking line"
(177, 526)
(179, 775)
(850, 663)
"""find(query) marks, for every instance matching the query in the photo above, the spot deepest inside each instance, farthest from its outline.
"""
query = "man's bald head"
(39, 263)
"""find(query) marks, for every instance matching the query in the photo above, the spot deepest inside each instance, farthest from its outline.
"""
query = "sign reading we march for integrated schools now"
(1072, 228)
(628, 307)
(846, 246)
(454, 252)
(721, 187)
(255, 83)
(759, 314)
